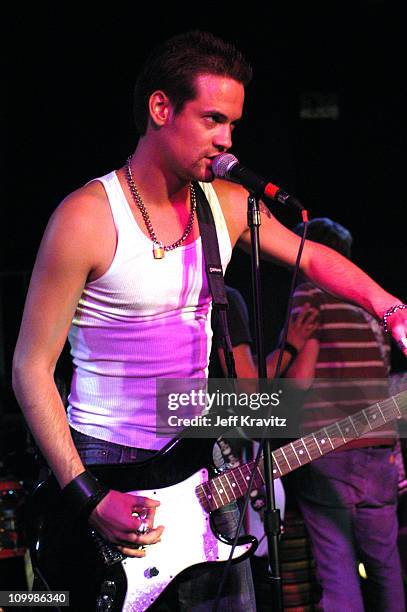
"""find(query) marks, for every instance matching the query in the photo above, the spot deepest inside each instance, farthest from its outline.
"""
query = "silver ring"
(142, 528)
(140, 515)
(402, 342)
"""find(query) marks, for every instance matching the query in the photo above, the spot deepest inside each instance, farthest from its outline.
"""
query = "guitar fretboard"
(233, 483)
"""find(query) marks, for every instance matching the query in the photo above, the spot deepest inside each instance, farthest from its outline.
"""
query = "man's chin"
(207, 176)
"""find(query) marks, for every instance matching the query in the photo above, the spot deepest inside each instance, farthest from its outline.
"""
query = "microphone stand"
(272, 522)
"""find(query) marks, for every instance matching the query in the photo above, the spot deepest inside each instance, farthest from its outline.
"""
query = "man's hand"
(301, 327)
(397, 326)
(127, 521)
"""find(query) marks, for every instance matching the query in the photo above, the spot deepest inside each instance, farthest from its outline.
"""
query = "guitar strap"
(214, 273)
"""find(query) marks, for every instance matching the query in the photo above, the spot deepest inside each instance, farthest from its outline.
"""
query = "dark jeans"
(197, 591)
(349, 503)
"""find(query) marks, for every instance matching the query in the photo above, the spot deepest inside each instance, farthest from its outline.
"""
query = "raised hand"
(302, 326)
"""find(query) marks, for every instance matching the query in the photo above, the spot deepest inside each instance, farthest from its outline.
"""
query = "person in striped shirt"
(348, 497)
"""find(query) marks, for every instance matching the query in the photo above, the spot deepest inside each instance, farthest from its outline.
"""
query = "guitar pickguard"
(187, 540)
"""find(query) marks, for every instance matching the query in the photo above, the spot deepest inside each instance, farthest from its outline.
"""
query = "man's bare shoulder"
(91, 199)
(233, 196)
(83, 209)
(233, 199)
(230, 194)
(81, 229)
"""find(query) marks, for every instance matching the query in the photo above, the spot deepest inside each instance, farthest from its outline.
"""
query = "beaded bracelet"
(388, 314)
(82, 494)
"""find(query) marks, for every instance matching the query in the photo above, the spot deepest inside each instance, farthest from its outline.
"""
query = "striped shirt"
(351, 372)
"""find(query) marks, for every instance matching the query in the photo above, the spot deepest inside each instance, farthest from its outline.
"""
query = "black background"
(69, 73)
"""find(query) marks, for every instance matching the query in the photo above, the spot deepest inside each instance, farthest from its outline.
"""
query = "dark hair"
(174, 65)
(326, 231)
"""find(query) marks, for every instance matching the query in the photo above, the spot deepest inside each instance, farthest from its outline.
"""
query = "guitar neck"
(233, 483)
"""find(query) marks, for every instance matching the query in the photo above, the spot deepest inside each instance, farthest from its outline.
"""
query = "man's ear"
(160, 108)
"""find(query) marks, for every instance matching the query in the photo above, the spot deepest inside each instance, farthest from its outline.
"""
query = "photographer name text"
(229, 421)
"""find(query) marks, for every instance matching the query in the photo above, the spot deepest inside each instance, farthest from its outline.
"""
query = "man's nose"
(223, 140)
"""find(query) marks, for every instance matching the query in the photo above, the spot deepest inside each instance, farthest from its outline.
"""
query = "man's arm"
(70, 253)
(62, 266)
(300, 328)
(321, 265)
(303, 366)
(245, 363)
(241, 339)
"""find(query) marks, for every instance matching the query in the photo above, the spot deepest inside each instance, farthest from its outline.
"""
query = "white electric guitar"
(66, 555)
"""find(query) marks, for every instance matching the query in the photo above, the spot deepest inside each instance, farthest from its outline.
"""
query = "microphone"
(227, 166)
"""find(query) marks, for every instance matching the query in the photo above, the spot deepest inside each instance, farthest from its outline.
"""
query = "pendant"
(158, 250)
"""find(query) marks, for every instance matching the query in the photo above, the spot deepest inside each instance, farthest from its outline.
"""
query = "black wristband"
(82, 495)
(290, 348)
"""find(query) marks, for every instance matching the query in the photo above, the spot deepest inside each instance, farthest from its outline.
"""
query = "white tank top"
(143, 319)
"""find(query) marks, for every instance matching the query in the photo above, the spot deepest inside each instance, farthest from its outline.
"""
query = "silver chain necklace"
(158, 247)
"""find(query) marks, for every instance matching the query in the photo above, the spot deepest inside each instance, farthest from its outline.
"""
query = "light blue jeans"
(196, 591)
(349, 503)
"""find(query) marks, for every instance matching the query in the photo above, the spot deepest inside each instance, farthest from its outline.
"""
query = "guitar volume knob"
(151, 572)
